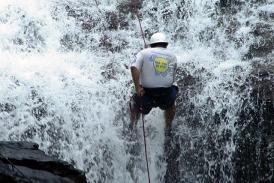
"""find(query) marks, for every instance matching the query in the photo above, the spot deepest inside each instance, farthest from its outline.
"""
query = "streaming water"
(65, 80)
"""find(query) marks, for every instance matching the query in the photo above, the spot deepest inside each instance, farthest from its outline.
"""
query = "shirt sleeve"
(138, 61)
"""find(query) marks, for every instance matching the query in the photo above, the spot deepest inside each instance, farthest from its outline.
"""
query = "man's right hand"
(136, 79)
(140, 91)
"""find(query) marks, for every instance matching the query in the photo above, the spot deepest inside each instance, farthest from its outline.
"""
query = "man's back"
(157, 66)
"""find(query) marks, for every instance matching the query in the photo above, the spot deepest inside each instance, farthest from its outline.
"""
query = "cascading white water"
(64, 88)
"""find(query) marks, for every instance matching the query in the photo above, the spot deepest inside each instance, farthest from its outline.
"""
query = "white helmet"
(158, 38)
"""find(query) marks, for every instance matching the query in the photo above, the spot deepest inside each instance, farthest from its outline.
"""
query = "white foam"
(85, 91)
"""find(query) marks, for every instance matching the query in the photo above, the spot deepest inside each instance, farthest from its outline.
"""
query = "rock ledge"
(24, 162)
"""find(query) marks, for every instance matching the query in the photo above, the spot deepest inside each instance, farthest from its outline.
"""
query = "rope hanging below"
(143, 121)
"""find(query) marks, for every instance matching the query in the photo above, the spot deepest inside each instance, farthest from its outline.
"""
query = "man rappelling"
(153, 73)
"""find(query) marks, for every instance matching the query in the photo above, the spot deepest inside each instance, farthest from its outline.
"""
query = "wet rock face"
(254, 140)
(261, 31)
(254, 143)
(264, 33)
(199, 151)
(24, 162)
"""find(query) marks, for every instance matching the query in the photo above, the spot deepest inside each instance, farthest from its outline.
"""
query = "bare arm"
(135, 73)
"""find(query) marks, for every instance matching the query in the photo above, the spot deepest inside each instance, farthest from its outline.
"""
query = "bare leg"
(169, 116)
(134, 116)
(134, 113)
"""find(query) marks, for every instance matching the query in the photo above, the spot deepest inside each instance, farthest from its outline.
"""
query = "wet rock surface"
(254, 150)
(213, 145)
(24, 162)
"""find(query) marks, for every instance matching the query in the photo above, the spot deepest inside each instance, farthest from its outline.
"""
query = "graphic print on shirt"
(160, 65)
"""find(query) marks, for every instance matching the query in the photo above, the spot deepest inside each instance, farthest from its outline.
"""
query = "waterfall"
(65, 84)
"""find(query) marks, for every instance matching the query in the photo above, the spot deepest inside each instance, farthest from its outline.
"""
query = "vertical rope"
(145, 143)
(148, 174)
(134, 5)
(143, 121)
(142, 32)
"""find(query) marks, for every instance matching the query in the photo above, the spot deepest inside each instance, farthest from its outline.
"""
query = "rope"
(137, 15)
(142, 32)
(148, 175)
(145, 143)
(134, 4)
(141, 109)
(143, 121)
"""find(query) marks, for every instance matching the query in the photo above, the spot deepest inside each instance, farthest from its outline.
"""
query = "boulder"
(24, 162)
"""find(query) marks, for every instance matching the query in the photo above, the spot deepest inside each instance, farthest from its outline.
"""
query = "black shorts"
(163, 98)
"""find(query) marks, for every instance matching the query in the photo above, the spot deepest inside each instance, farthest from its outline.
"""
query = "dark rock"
(7, 107)
(172, 153)
(112, 20)
(126, 7)
(199, 154)
(261, 31)
(254, 143)
(265, 34)
(225, 3)
(24, 162)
